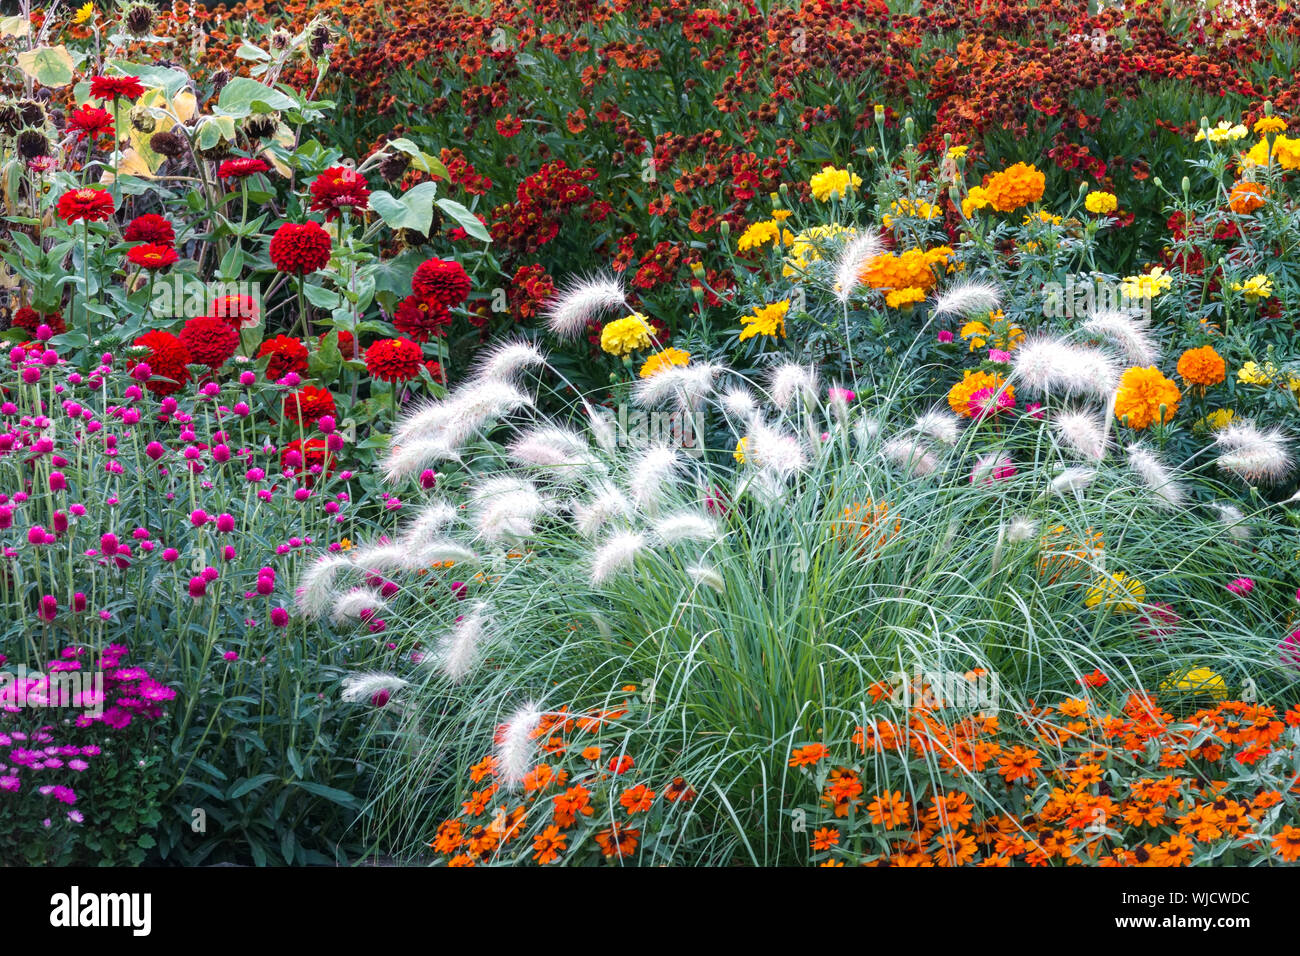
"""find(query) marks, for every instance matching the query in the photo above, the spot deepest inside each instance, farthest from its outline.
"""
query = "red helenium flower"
(150, 227)
(300, 248)
(394, 360)
(211, 340)
(167, 359)
(441, 280)
(93, 205)
(287, 355)
(152, 256)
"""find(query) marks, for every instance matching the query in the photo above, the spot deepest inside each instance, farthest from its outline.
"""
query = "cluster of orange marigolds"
(582, 786)
(1141, 788)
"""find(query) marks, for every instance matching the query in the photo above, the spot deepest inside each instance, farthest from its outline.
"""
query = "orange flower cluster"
(1142, 393)
(907, 276)
(1137, 788)
(864, 528)
(579, 785)
(1015, 186)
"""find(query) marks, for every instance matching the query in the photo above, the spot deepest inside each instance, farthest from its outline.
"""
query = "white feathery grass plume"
(852, 257)
(351, 604)
(615, 555)
(506, 508)
(380, 558)
(687, 386)
(316, 593)
(655, 467)
(911, 454)
(967, 298)
(458, 649)
(774, 452)
(550, 446)
(790, 381)
(685, 526)
(428, 524)
(866, 430)
(607, 504)
(364, 686)
(1233, 519)
(603, 427)
(568, 313)
(478, 402)
(739, 403)
(505, 360)
(1021, 529)
(707, 576)
(1252, 454)
(1049, 364)
(413, 456)
(1072, 479)
(514, 744)
(1130, 333)
(1081, 432)
(939, 425)
(440, 551)
(423, 420)
(1153, 473)
(437, 431)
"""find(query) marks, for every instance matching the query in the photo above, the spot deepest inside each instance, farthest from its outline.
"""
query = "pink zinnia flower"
(991, 468)
(986, 402)
(1242, 586)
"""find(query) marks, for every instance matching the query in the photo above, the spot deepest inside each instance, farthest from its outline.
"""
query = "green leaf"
(252, 783)
(243, 97)
(48, 65)
(468, 221)
(341, 797)
(420, 159)
(413, 211)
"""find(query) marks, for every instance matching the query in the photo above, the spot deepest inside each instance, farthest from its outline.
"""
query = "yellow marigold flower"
(1219, 418)
(1044, 217)
(768, 320)
(626, 335)
(1118, 592)
(1142, 392)
(1015, 186)
(956, 152)
(739, 453)
(1286, 151)
(83, 13)
(972, 382)
(918, 209)
(781, 215)
(1101, 202)
(1202, 366)
(998, 332)
(1255, 288)
(761, 233)
(1222, 133)
(805, 248)
(1146, 286)
(1197, 680)
(1251, 374)
(899, 298)
(977, 198)
(1269, 124)
(832, 183)
(665, 359)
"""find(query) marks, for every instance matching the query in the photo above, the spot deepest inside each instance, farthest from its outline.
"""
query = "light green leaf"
(467, 220)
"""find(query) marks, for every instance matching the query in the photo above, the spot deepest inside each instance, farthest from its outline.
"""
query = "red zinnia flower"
(152, 256)
(113, 87)
(308, 405)
(30, 320)
(435, 371)
(300, 248)
(347, 343)
(442, 281)
(241, 311)
(287, 355)
(211, 340)
(312, 452)
(241, 168)
(167, 359)
(93, 205)
(90, 121)
(421, 318)
(337, 188)
(150, 227)
(394, 360)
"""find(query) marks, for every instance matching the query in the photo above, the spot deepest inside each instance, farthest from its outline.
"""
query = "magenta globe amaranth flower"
(279, 617)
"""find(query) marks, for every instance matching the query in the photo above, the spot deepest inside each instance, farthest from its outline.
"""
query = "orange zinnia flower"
(1287, 844)
(638, 799)
(809, 755)
(889, 810)
(548, 844)
(1019, 763)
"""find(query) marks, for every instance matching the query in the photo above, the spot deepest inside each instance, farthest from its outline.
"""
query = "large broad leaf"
(168, 80)
(413, 211)
(48, 65)
(467, 220)
(419, 158)
(243, 97)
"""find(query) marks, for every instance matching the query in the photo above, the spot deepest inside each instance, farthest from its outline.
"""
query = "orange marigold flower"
(1202, 366)
(1015, 186)
(1142, 393)
(809, 755)
(959, 396)
(1245, 198)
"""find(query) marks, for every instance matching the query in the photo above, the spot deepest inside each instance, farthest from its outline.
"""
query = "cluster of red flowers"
(542, 203)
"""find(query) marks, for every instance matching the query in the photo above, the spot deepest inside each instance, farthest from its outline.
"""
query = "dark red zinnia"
(394, 360)
(312, 453)
(241, 168)
(442, 281)
(150, 227)
(167, 359)
(93, 205)
(308, 405)
(300, 248)
(435, 371)
(339, 187)
(114, 87)
(211, 340)
(347, 343)
(90, 121)
(30, 320)
(152, 256)
(241, 311)
(421, 319)
(287, 355)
